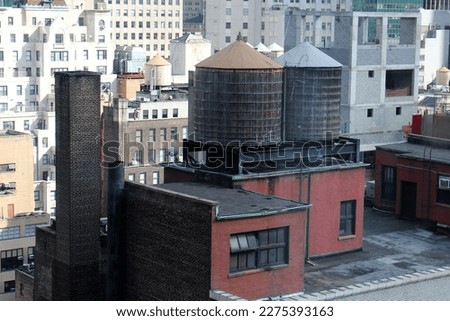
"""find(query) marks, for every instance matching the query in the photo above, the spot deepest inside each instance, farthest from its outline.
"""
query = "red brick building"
(184, 240)
(413, 179)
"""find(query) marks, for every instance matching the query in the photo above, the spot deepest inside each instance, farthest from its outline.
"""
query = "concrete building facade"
(380, 75)
(18, 220)
(149, 24)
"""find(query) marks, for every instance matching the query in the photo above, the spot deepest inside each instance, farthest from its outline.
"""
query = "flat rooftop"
(235, 203)
(419, 152)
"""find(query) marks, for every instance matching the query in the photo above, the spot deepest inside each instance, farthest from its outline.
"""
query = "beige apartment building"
(18, 221)
(149, 24)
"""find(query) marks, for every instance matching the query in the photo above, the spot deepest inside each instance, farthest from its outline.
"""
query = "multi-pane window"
(138, 156)
(259, 250)
(26, 125)
(9, 125)
(139, 136)
(30, 230)
(19, 90)
(3, 90)
(143, 178)
(59, 38)
(52, 195)
(173, 133)
(151, 134)
(1, 55)
(164, 113)
(11, 259)
(59, 55)
(9, 233)
(34, 89)
(101, 54)
(162, 134)
(37, 196)
(131, 177)
(155, 177)
(388, 183)
(15, 55)
(443, 192)
(85, 54)
(2, 72)
(347, 218)
(145, 114)
(28, 55)
(175, 113)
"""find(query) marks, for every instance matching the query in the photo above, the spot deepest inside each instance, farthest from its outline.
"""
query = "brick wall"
(44, 254)
(168, 240)
(78, 186)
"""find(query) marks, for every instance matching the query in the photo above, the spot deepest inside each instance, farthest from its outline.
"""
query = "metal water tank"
(238, 96)
(312, 94)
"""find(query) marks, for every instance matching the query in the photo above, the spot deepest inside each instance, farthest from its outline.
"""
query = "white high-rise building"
(268, 21)
(39, 38)
(149, 24)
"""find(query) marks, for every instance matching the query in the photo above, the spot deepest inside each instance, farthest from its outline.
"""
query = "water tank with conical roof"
(442, 76)
(238, 96)
(312, 94)
(158, 72)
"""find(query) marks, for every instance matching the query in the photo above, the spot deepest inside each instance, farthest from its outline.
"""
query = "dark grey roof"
(235, 203)
(419, 152)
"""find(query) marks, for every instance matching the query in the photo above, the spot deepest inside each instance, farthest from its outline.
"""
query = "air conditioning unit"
(444, 182)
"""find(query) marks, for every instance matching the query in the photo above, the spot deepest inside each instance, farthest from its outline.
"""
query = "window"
(11, 259)
(164, 113)
(15, 55)
(398, 110)
(175, 113)
(185, 132)
(9, 125)
(347, 219)
(139, 136)
(34, 89)
(101, 54)
(3, 106)
(19, 90)
(371, 73)
(245, 25)
(143, 178)
(3, 90)
(151, 134)
(227, 25)
(173, 133)
(12, 37)
(162, 155)
(145, 114)
(85, 54)
(101, 69)
(370, 112)
(227, 39)
(443, 192)
(1, 55)
(45, 159)
(101, 38)
(8, 233)
(59, 56)
(10, 21)
(259, 250)
(30, 254)
(28, 55)
(38, 55)
(30, 230)
(59, 38)
(162, 134)
(28, 71)
(228, 11)
(26, 125)
(388, 183)
(52, 195)
(38, 72)
(155, 178)
(37, 196)
(154, 114)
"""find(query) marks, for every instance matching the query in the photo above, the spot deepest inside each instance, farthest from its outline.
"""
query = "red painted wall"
(258, 283)
(425, 175)
(327, 190)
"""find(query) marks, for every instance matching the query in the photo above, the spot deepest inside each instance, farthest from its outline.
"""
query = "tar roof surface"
(238, 55)
(233, 202)
(417, 151)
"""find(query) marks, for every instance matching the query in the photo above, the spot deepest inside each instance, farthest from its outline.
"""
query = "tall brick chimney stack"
(78, 186)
